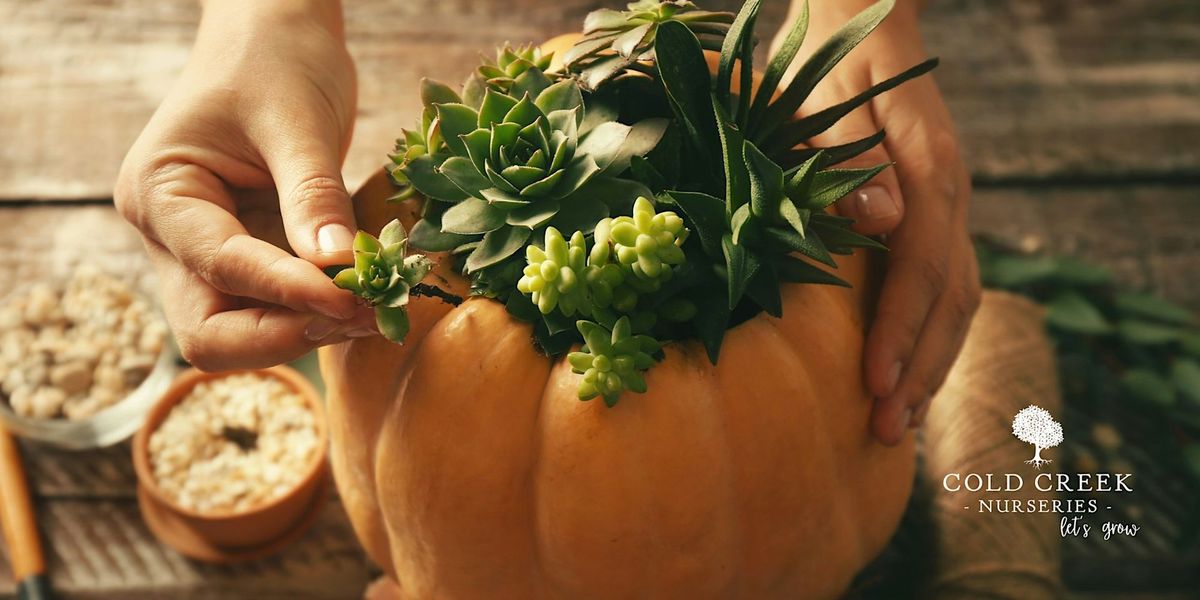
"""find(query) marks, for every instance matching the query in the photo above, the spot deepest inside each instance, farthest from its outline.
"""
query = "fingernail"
(320, 328)
(334, 238)
(361, 333)
(875, 202)
(894, 378)
(902, 422)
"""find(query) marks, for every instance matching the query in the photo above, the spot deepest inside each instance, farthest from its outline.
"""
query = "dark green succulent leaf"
(642, 170)
(766, 181)
(533, 215)
(479, 147)
(392, 322)
(463, 174)
(796, 132)
(1147, 333)
(818, 65)
(436, 92)
(741, 219)
(764, 290)
(472, 216)
(564, 95)
(496, 246)
(602, 70)
(522, 308)
(531, 82)
(495, 106)
(799, 179)
(737, 176)
(684, 74)
(1070, 311)
(791, 269)
(1148, 386)
(580, 212)
(711, 322)
(737, 46)
(617, 193)
(556, 322)
(740, 266)
(810, 246)
(797, 218)
(778, 66)
(1152, 307)
(524, 113)
(422, 173)
(604, 142)
(833, 235)
(575, 175)
(707, 216)
(832, 155)
(456, 120)
(428, 235)
(627, 43)
(830, 185)
(502, 199)
(601, 106)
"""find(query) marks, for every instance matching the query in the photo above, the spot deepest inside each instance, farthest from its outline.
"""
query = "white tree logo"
(1033, 425)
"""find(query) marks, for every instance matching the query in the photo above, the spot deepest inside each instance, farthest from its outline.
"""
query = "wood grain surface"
(1087, 89)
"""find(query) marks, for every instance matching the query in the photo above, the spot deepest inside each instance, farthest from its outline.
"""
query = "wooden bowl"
(243, 534)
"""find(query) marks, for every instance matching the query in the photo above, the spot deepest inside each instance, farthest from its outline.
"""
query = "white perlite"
(233, 443)
(72, 351)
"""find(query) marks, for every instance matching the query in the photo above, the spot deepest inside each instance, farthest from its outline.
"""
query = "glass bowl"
(110, 425)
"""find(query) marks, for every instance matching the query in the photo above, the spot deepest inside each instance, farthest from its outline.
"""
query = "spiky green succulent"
(612, 361)
(384, 274)
(615, 41)
(690, 198)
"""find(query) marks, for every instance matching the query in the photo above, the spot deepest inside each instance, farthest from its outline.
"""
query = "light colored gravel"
(233, 443)
(71, 351)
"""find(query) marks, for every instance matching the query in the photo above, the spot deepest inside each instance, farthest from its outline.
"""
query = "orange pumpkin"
(470, 469)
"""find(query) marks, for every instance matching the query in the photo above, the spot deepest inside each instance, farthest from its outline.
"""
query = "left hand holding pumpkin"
(931, 288)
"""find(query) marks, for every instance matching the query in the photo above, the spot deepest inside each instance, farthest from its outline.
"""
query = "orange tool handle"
(16, 513)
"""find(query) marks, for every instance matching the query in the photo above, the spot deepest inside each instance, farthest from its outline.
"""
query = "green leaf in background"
(1191, 457)
(1147, 333)
(779, 63)
(392, 322)
(1185, 374)
(684, 74)
(1074, 272)
(738, 46)
(1070, 311)
(1152, 307)
(1148, 386)
(741, 265)
(1190, 341)
(1016, 271)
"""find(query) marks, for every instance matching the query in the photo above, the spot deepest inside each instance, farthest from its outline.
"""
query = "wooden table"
(1080, 121)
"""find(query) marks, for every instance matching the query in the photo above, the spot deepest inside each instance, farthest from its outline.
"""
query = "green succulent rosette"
(384, 275)
(515, 69)
(515, 166)
(612, 361)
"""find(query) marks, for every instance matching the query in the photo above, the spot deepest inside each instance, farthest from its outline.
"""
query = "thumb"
(318, 216)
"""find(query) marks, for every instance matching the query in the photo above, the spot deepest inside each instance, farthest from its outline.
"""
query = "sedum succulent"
(612, 361)
(648, 243)
(383, 276)
(553, 276)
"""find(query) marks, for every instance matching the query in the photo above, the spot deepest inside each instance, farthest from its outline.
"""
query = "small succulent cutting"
(384, 274)
(632, 196)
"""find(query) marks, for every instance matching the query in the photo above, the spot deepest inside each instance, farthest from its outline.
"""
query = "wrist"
(327, 14)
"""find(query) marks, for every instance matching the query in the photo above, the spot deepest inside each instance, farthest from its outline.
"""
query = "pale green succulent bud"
(612, 361)
(554, 275)
(383, 275)
(648, 243)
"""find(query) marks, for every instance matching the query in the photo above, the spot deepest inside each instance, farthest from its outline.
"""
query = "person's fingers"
(304, 156)
(933, 355)
(877, 206)
(214, 332)
(191, 215)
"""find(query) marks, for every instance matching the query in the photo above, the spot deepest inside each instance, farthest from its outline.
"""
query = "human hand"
(241, 165)
(931, 287)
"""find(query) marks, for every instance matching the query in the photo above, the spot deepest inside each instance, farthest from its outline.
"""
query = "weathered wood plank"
(1087, 89)
(102, 549)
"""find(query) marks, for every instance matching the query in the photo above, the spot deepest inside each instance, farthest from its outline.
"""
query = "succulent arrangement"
(625, 195)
